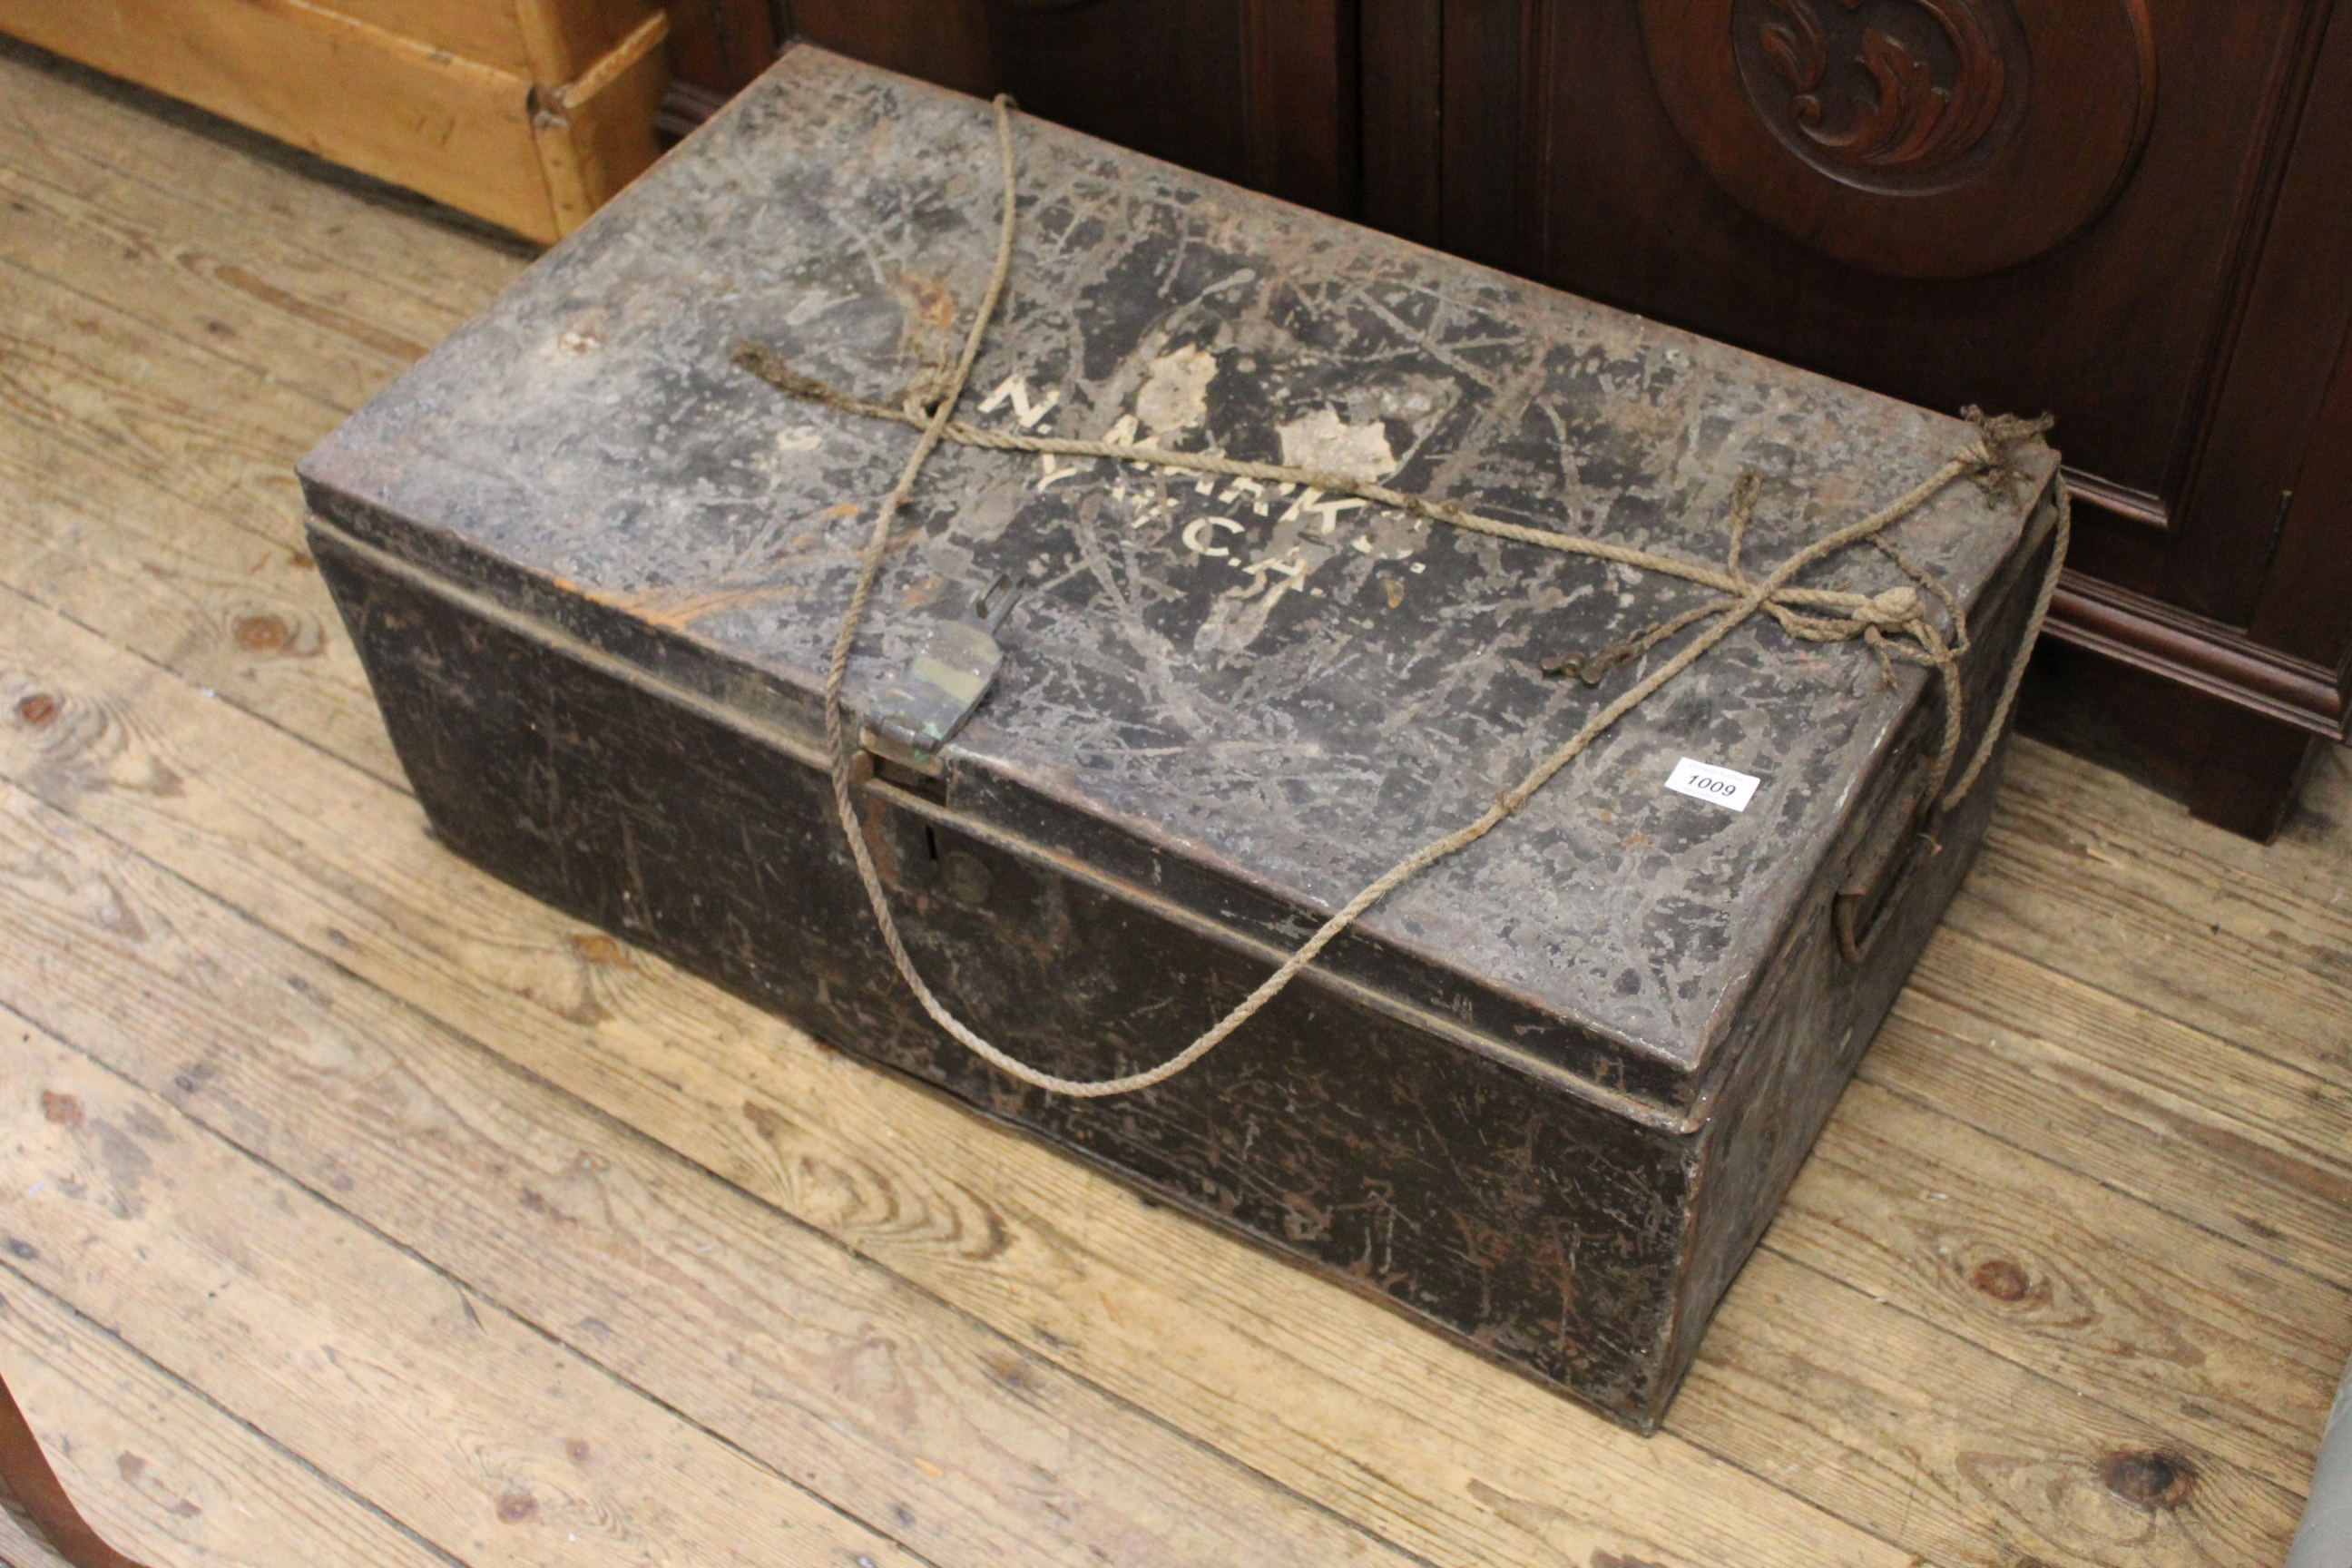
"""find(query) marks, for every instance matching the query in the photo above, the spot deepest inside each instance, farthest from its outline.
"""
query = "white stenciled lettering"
(1198, 535)
(1024, 412)
(1241, 487)
(1325, 513)
(1288, 564)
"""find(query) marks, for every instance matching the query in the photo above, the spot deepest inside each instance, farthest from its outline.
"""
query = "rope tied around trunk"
(1893, 623)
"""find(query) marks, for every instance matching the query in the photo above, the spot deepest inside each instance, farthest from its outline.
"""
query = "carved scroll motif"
(1911, 138)
(1906, 121)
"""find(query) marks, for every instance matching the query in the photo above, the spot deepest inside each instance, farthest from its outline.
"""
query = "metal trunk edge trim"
(803, 750)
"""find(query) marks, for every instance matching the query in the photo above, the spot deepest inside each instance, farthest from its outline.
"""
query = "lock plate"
(942, 686)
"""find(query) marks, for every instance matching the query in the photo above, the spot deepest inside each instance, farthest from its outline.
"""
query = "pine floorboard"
(359, 1209)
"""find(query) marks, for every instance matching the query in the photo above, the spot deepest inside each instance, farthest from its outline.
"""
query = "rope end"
(1897, 606)
(1999, 438)
(768, 365)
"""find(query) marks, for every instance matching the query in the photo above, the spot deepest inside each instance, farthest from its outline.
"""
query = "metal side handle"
(1881, 866)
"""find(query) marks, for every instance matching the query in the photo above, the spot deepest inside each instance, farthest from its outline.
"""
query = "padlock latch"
(941, 686)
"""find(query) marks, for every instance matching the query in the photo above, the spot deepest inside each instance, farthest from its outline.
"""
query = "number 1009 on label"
(1717, 786)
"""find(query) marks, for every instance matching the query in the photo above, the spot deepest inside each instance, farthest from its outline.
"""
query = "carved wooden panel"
(1942, 74)
(1915, 138)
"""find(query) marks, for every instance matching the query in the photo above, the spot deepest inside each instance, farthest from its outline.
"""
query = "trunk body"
(1547, 1096)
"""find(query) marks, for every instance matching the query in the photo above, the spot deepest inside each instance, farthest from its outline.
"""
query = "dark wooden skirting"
(2121, 501)
(2205, 655)
(687, 105)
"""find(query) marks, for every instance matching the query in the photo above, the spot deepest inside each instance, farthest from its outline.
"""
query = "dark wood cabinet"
(2131, 215)
(1261, 92)
(2134, 214)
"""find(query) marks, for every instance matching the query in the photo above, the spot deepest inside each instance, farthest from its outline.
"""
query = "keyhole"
(964, 877)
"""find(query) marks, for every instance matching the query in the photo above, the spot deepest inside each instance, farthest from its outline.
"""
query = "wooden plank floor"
(356, 1209)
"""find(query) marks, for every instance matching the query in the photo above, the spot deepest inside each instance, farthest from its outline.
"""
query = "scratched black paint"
(1547, 1097)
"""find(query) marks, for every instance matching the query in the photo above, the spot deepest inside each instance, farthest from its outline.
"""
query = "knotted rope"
(1894, 624)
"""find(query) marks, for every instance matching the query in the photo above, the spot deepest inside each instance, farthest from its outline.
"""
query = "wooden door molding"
(2279, 389)
(1912, 138)
(716, 48)
(1303, 127)
(1261, 92)
(2188, 651)
(2265, 537)
(1402, 45)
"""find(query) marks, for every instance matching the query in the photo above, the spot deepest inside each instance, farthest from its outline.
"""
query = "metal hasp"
(942, 686)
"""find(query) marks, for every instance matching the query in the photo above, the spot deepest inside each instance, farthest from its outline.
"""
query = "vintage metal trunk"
(1547, 1096)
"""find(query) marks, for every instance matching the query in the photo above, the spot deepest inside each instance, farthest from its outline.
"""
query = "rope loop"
(1893, 623)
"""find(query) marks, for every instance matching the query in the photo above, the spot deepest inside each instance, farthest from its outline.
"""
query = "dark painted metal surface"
(1548, 1096)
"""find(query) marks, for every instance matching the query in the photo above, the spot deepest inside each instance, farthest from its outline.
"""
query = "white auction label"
(1702, 781)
